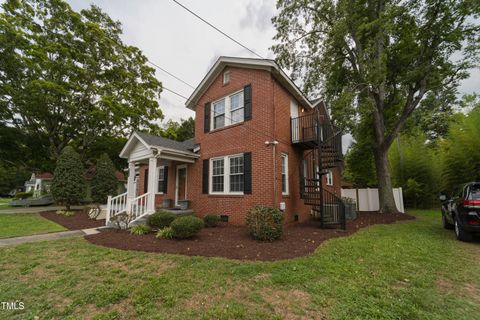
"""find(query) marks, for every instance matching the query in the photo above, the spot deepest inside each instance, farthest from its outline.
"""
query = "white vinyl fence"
(367, 199)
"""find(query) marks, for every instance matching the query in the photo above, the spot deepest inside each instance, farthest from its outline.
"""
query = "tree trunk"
(68, 206)
(385, 192)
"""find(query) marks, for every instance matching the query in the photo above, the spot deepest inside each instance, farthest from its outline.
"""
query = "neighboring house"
(39, 183)
(258, 141)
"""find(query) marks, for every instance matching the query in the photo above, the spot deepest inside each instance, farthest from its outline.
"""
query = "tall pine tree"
(69, 186)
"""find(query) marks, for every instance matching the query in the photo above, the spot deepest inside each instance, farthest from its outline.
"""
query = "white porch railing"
(136, 207)
(116, 205)
(139, 205)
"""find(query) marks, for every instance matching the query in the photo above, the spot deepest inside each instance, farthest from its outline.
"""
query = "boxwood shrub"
(186, 227)
(264, 223)
(160, 219)
(211, 220)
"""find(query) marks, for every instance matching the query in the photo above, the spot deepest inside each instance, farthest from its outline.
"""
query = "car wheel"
(461, 234)
(446, 225)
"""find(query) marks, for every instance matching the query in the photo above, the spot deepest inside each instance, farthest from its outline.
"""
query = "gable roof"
(157, 142)
(261, 64)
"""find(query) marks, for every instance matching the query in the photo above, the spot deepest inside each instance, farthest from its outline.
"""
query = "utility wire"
(217, 29)
(170, 74)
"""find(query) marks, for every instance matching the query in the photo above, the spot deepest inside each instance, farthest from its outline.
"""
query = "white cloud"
(258, 15)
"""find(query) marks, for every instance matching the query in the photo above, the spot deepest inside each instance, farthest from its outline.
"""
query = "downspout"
(275, 142)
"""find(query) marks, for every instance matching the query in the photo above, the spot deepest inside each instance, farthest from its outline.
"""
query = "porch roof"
(141, 146)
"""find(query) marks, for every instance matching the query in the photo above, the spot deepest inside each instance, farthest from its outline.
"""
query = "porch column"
(131, 192)
(131, 180)
(152, 182)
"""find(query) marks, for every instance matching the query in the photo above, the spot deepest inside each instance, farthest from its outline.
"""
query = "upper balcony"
(306, 131)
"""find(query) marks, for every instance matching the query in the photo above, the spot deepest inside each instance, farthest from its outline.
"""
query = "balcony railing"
(305, 129)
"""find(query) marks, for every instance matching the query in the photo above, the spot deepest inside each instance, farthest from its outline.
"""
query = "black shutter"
(247, 173)
(247, 102)
(206, 119)
(206, 164)
(145, 181)
(165, 179)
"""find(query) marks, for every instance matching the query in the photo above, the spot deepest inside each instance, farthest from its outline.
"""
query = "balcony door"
(295, 124)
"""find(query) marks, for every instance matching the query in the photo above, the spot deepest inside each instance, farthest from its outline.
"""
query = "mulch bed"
(80, 220)
(235, 242)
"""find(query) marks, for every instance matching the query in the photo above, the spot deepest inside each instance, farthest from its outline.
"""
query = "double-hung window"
(284, 158)
(228, 110)
(227, 175)
(218, 114)
(161, 180)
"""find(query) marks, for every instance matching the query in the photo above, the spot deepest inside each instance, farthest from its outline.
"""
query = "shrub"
(186, 227)
(211, 220)
(265, 223)
(23, 195)
(140, 229)
(166, 233)
(65, 213)
(161, 219)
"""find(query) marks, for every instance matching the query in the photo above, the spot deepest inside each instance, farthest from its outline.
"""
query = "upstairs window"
(228, 110)
(219, 114)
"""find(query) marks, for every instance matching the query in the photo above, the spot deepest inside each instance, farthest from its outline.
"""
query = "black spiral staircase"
(321, 143)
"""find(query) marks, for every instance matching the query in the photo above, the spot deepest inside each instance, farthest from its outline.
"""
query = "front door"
(181, 184)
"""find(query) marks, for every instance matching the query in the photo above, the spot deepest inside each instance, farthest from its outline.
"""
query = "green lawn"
(408, 270)
(25, 224)
(4, 202)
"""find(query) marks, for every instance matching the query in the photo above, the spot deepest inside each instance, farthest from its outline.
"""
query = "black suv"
(462, 212)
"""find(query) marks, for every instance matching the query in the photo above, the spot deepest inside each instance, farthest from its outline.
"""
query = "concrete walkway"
(14, 210)
(47, 236)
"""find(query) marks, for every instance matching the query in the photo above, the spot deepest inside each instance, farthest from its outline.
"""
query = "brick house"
(258, 140)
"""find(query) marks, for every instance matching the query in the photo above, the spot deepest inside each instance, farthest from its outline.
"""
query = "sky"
(183, 45)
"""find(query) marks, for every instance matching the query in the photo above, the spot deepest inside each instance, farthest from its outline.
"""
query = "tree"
(104, 182)
(179, 131)
(377, 60)
(68, 185)
(68, 75)
(416, 167)
(460, 152)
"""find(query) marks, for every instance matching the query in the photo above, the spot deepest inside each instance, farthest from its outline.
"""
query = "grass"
(25, 224)
(4, 202)
(408, 270)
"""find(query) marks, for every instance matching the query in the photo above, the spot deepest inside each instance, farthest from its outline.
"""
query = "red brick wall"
(270, 121)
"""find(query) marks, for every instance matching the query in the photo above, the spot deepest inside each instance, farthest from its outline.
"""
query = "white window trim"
(226, 175)
(158, 177)
(228, 110)
(329, 178)
(286, 192)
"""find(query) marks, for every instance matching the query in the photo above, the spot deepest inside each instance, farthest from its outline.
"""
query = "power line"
(170, 74)
(217, 29)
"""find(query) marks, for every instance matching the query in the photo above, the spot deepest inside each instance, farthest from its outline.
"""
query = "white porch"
(153, 152)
